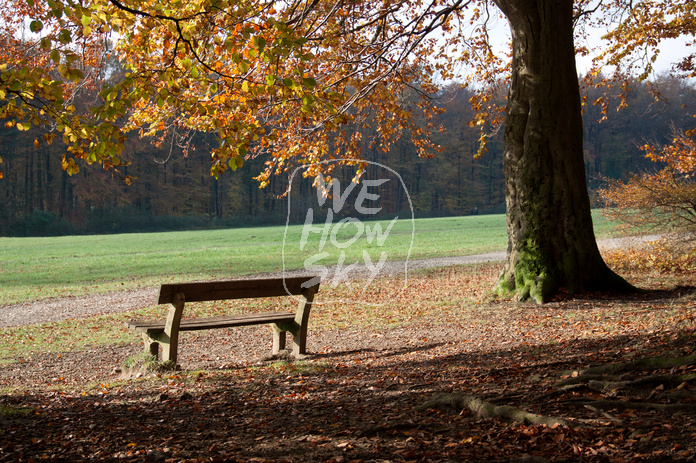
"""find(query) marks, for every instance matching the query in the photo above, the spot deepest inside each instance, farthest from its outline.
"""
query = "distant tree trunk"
(28, 180)
(215, 199)
(47, 167)
(63, 199)
(551, 242)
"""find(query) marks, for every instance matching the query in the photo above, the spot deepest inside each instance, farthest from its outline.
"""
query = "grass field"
(39, 268)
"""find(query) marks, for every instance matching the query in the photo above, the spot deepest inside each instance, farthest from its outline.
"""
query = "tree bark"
(551, 242)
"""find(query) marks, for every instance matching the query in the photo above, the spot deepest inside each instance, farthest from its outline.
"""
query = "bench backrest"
(238, 289)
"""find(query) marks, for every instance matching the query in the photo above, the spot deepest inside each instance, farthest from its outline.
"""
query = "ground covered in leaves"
(437, 375)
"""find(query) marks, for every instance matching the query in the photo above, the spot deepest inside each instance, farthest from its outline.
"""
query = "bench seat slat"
(194, 324)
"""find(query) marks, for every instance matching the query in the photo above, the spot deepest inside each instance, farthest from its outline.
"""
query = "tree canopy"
(278, 78)
(263, 76)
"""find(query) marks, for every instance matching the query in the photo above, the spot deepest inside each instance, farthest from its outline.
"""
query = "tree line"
(175, 190)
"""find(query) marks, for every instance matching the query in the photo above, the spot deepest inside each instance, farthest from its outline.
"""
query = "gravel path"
(65, 308)
(50, 310)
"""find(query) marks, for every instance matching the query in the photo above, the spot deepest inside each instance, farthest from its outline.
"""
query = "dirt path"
(50, 310)
(65, 308)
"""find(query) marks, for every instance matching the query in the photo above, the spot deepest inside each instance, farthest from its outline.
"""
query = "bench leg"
(171, 329)
(299, 338)
(299, 341)
(278, 339)
(151, 345)
(169, 348)
(169, 352)
(299, 329)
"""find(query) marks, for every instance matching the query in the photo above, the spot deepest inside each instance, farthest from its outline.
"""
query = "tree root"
(606, 379)
(385, 428)
(609, 416)
(675, 395)
(603, 378)
(612, 378)
(584, 379)
(645, 364)
(529, 459)
(689, 409)
(484, 409)
(668, 381)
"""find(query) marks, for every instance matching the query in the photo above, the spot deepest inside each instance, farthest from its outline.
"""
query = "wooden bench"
(166, 332)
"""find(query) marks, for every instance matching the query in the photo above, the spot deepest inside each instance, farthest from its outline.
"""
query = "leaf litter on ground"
(356, 397)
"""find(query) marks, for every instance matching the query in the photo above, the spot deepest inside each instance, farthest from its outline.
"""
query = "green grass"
(65, 336)
(39, 268)
(9, 411)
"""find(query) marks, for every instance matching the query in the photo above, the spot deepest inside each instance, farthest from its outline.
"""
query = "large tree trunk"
(551, 243)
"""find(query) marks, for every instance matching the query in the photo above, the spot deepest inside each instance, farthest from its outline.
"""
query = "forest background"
(173, 191)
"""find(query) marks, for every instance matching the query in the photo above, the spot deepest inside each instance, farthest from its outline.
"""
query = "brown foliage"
(665, 201)
(661, 256)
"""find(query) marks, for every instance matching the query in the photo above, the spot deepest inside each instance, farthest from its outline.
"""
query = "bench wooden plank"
(194, 324)
(235, 289)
